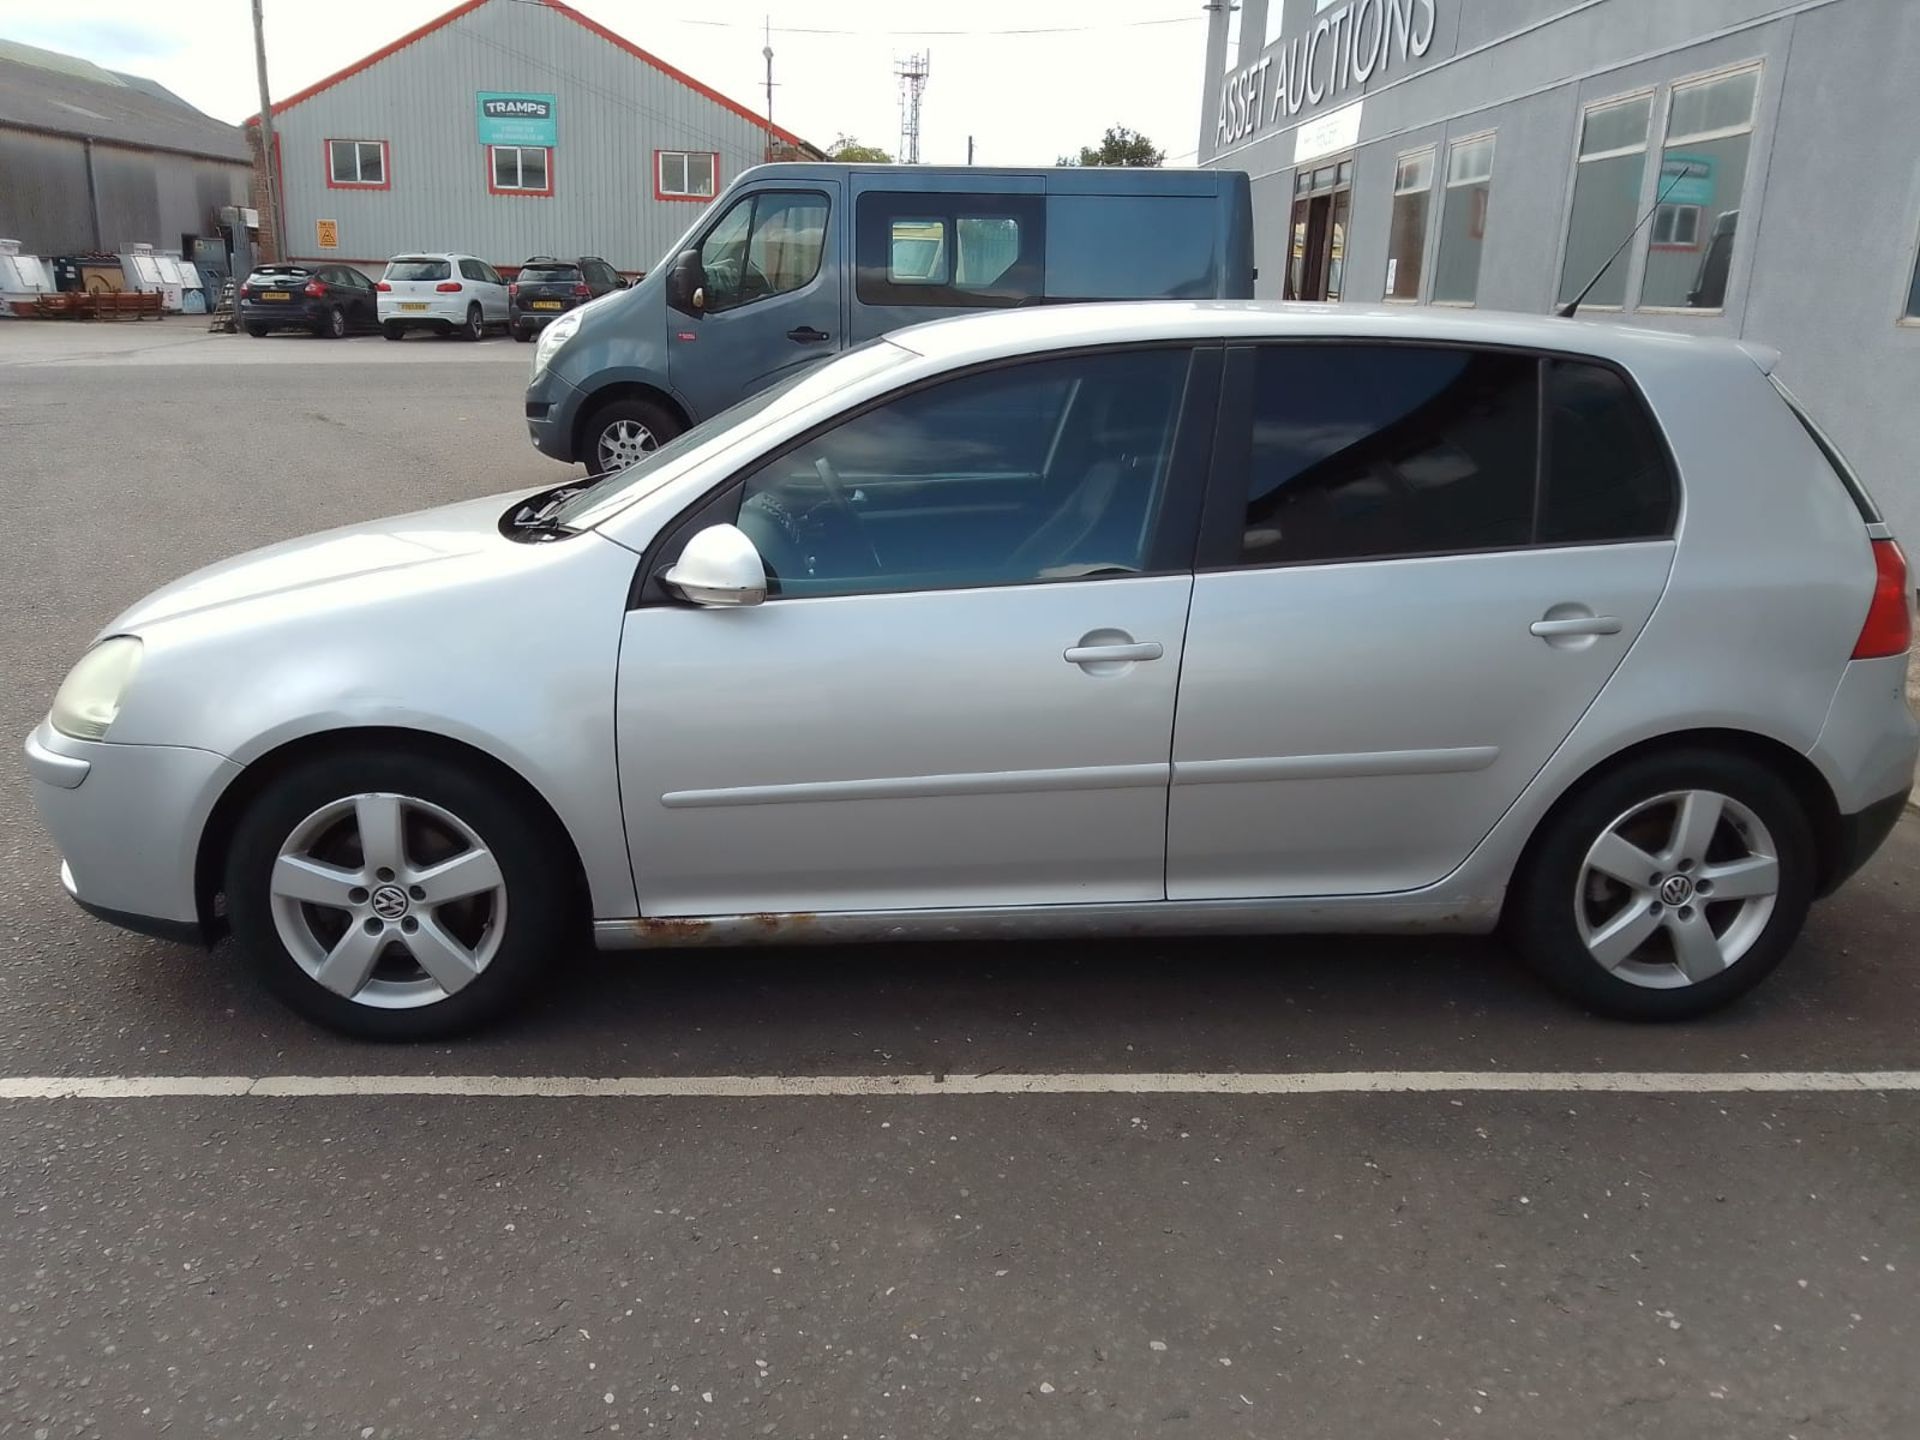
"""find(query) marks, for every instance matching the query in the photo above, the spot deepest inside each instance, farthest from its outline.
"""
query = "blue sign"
(516, 119)
(1687, 180)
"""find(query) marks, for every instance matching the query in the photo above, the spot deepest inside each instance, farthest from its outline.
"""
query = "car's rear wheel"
(1667, 887)
(395, 896)
(257, 331)
(333, 325)
(523, 333)
(620, 432)
(476, 326)
(393, 331)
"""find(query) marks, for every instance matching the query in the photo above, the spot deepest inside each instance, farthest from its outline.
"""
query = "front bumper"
(127, 820)
(552, 408)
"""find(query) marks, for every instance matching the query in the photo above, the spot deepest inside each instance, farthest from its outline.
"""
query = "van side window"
(767, 244)
(944, 249)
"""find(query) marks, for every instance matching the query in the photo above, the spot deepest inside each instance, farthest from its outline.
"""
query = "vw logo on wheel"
(389, 902)
(1674, 890)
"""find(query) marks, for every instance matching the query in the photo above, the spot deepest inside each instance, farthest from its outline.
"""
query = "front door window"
(766, 244)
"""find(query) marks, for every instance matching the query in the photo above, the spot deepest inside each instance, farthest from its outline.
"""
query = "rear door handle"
(807, 335)
(1576, 625)
(1113, 654)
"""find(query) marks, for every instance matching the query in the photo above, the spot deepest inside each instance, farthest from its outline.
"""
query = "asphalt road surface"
(733, 1246)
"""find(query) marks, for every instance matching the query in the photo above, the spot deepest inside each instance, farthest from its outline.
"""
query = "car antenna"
(1566, 311)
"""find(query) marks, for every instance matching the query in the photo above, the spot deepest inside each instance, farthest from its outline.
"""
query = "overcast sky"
(1026, 98)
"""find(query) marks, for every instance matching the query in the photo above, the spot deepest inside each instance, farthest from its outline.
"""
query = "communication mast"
(912, 73)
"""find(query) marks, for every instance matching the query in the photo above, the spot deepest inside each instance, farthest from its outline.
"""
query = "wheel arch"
(592, 404)
(1801, 775)
(216, 836)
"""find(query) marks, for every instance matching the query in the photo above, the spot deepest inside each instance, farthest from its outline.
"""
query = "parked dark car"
(547, 288)
(328, 300)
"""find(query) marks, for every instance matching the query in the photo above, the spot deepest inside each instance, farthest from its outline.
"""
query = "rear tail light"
(1889, 627)
(382, 285)
(513, 290)
(448, 287)
(581, 289)
(315, 289)
(246, 292)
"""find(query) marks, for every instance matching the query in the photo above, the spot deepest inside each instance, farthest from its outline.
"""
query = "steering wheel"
(836, 492)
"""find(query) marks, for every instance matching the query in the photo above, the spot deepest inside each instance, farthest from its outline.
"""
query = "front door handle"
(1576, 625)
(807, 335)
(1114, 654)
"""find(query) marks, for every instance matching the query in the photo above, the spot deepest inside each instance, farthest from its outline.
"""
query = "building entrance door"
(1317, 253)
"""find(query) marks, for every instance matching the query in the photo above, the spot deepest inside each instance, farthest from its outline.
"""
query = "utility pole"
(766, 51)
(912, 73)
(278, 222)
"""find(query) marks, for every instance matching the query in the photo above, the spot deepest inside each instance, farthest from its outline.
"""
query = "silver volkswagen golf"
(1146, 617)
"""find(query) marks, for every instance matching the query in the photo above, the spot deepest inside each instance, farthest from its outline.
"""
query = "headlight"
(552, 338)
(90, 696)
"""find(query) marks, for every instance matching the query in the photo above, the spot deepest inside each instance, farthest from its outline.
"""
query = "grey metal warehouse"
(1495, 152)
(505, 129)
(91, 159)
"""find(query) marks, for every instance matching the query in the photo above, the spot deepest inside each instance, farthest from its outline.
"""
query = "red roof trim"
(559, 8)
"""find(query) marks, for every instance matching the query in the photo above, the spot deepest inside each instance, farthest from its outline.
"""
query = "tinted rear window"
(539, 273)
(1367, 451)
(280, 272)
(1607, 476)
(417, 270)
(1869, 512)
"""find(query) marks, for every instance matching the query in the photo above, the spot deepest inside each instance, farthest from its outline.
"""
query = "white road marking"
(771, 1087)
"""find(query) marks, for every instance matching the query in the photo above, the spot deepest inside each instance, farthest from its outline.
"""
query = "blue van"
(794, 262)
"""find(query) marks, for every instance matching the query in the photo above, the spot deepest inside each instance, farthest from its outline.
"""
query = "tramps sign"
(516, 119)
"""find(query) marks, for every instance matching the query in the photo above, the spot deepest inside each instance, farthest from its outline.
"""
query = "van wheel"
(395, 896)
(1667, 888)
(620, 432)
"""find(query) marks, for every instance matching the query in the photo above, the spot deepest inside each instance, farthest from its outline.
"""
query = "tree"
(1119, 146)
(854, 153)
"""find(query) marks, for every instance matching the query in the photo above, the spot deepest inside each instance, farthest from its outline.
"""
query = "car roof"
(432, 255)
(993, 334)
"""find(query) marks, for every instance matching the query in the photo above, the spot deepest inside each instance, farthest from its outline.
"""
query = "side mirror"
(686, 283)
(718, 567)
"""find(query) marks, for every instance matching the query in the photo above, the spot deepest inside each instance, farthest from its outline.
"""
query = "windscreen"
(418, 270)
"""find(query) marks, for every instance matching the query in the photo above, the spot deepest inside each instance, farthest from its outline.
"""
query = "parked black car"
(329, 300)
(546, 288)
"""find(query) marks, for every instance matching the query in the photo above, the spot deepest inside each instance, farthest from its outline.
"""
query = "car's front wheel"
(395, 896)
(1668, 887)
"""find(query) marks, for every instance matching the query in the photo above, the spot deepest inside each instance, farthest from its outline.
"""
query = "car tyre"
(1730, 869)
(258, 332)
(494, 942)
(522, 333)
(621, 431)
(333, 326)
(393, 331)
(476, 326)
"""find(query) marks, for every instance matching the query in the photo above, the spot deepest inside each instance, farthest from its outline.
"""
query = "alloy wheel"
(388, 901)
(1677, 889)
(622, 444)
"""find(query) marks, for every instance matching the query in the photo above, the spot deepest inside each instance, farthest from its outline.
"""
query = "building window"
(1233, 34)
(357, 164)
(1407, 233)
(520, 170)
(1606, 199)
(1463, 220)
(1703, 168)
(1317, 239)
(685, 174)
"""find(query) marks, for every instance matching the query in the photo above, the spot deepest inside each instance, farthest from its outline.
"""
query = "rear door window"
(949, 249)
(1363, 452)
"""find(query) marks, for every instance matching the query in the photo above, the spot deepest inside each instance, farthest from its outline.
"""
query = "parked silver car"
(1171, 617)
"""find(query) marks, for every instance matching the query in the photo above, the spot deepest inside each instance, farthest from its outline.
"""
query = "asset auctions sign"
(516, 119)
(1347, 45)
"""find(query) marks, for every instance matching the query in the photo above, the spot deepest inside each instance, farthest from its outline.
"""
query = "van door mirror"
(687, 283)
(718, 567)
